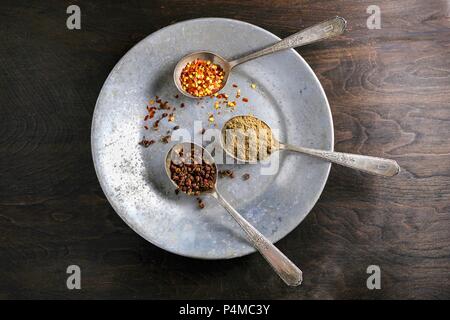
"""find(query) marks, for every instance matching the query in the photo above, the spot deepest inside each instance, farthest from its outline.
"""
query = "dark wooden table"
(389, 91)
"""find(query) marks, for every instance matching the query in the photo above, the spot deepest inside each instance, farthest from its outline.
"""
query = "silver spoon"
(281, 264)
(321, 31)
(374, 165)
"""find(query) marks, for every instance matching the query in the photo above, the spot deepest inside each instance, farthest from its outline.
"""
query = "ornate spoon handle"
(323, 30)
(281, 264)
(374, 165)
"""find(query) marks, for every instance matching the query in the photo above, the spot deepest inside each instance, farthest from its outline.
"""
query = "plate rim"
(93, 128)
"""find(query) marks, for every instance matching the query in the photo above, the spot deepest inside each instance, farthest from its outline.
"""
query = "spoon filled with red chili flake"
(193, 171)
(200, 78)
(205, 73)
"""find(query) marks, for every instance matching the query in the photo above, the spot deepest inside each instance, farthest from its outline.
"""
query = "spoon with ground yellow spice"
(204, 73)
(193, 171)
(249, 139)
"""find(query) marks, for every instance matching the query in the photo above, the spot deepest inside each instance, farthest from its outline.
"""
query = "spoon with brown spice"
(193, 171)
(250, 139)
(204, 73)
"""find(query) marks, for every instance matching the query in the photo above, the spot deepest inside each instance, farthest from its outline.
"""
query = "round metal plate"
(288, 96)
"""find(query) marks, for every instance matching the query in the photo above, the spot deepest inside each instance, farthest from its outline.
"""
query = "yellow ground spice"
(248, 138)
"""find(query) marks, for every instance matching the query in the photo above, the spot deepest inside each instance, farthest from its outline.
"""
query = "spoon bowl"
(199, 154)
(201, 55)
(261, 156)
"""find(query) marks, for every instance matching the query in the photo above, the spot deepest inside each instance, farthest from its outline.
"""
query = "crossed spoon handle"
(374, 165)
(281, 264)
(321, 31)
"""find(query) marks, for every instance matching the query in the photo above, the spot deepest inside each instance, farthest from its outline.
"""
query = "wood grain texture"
(389, 90)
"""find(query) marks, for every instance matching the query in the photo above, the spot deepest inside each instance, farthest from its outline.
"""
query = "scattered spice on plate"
(245, 99)
(200, 202)
(222, 96)
(231, 104)
(146, 143)
(151, 113)
(165, 139)
(193, 176)
(235, 85)
(203, 131)
(248, 138)
(182, 105)
(156, 124)
(163, 105)
(245, 176)
(226, 173)
(253, 86)
(211, 118)
(201, 78)
(171, 117)
(176, 127)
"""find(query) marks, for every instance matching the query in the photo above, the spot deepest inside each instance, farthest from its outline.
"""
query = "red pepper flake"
(222, 96)
(231, 103)
(176, 96)
(202, 78)
(156, 125)
(146, 127)
(245, 99)
(235, 85)
(182, 105)
(146, 118)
